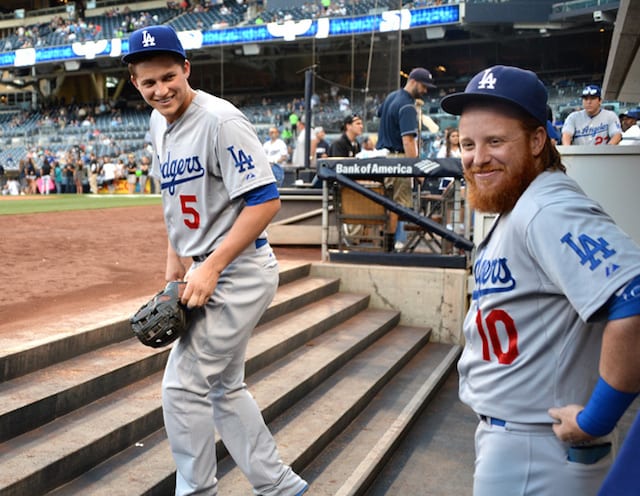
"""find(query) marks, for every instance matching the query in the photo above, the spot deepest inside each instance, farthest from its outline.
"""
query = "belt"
(516, 426)
(492, 420)
(259, 243)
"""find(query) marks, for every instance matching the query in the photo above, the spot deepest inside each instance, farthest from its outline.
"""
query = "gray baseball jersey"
(204, 171)
(533, 331)
(596, 130)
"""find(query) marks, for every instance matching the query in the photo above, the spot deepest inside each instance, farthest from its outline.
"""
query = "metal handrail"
(328, 174)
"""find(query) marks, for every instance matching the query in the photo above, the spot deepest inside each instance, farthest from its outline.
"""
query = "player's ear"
(537, 140)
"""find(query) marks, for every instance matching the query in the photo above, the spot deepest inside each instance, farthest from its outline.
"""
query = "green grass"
(57, 203)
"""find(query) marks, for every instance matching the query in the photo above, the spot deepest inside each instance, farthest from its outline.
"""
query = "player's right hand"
(566, 426)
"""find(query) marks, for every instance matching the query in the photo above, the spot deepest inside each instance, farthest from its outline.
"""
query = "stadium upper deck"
(354, 48)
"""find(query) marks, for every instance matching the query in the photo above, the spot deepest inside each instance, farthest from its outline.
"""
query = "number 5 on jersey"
(191, 216)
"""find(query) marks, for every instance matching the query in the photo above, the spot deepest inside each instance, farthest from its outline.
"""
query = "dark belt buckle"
(588, 454)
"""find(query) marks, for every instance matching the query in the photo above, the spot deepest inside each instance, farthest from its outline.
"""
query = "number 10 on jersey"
(488, 328)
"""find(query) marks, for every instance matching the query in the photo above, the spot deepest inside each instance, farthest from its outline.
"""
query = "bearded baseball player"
(554, 321)
(218, 196)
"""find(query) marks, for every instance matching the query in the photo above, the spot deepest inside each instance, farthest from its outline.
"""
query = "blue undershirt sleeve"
(626, 301)
(261, 194)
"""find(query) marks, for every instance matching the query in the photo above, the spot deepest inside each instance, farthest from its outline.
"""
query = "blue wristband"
(604, 409)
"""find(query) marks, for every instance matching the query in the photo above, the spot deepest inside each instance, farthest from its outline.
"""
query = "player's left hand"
(566, 426)
(201, 281)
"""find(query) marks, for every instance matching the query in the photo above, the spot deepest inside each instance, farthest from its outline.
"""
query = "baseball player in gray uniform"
(593, 125)
(218, 196)
(554, 320)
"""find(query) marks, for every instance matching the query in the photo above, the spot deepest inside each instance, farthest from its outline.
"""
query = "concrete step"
(34, 399)
(306, 428)
(295, 294)
(354, 458)
(442, 440)
(274, 387)
(25, 352)
(41, 396)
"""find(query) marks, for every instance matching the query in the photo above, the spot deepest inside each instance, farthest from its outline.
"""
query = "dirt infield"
(65, 264)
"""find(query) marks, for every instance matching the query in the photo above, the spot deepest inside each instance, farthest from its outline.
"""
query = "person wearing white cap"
(554, 318)
(593, 125)
(218, 196)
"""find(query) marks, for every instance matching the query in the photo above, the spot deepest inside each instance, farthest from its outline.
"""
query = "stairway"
(338, 382)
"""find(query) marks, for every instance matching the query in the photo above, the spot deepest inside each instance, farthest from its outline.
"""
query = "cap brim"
(131, 57)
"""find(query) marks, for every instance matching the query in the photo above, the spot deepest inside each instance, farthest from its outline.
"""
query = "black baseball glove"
(162, 319)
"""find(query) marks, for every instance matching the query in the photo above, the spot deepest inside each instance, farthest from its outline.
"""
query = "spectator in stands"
(630, 129)
(368, 143)
(143, 175)
(131, 170)
(277, 154)
(94, 172)
(322, 145)
(593, 125)
(45, 176)
(347, 145)
(31, 175)
(3, 179)
(12, 187)
(78, 176)
(69, 174)
(293, 123)
(451, 147)
(299, 160)
(109, 169)
(398, 134)
(344, 105)
(57, 176)
(368, 148)
(145, 164)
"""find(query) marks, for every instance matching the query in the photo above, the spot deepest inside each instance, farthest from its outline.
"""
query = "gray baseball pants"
(203, 387)
(528, 460)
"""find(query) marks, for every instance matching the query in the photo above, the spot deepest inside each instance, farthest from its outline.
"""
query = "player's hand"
(201, 282)
(566, 427)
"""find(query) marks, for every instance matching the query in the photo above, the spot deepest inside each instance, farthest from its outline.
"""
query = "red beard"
(503, 198)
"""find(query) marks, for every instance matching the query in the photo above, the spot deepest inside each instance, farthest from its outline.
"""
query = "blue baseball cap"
(633, 113)
(592, 90)
(151, 40)
(512, 85)
(423, 76)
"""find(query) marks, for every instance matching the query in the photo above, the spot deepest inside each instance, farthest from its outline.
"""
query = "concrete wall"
(611, 176)
(426, 297)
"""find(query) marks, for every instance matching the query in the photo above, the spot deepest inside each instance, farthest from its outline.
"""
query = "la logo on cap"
(148, 39)
(488, 81)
